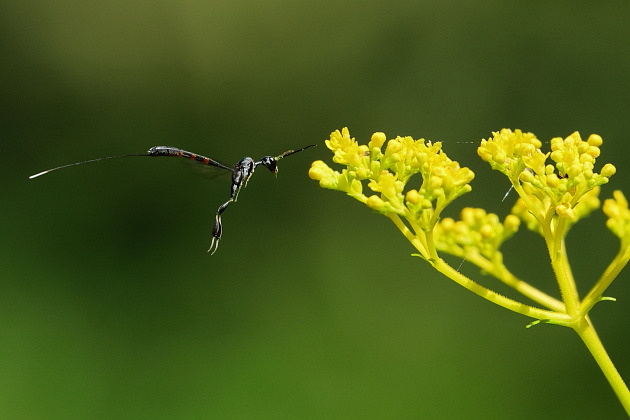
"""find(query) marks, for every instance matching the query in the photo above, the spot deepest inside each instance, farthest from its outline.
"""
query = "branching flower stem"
(611, 272)
(428, 252)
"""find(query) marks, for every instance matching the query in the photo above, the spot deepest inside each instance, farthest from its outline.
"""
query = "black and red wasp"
(241, 172)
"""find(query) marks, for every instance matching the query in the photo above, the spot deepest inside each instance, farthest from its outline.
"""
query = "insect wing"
(206, 171)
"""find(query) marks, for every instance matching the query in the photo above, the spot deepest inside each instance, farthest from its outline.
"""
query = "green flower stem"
(590, 338)
(611, 272)
(498, 299)
(564, 276)
(429, 252)
(502, 273)
(411, 237)
(554, 238)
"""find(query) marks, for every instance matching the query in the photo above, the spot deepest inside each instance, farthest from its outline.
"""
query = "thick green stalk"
(590, 338)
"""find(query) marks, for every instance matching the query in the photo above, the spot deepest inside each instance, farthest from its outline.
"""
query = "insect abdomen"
(174, 151)
(164, 151)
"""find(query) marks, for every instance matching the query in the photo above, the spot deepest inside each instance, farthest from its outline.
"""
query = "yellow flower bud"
(487, 231)
(593, 151)
(595, 140)
(435, 182)
(318, 170)
(552, 180)
(468, 215)
(527, 175)
(377, 140)
(447, 223)
(363, 173)
(375, 202)
(512, 222)
(587, 158)
(413, 197)
(608, 170)
(393, 146)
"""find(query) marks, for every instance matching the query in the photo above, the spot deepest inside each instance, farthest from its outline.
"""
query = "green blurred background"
(312, 307)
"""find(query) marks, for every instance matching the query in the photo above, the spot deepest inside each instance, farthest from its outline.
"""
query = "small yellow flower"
(391, 189)
(377, 141)
(347, 151)
(376, 203)
(324, 174)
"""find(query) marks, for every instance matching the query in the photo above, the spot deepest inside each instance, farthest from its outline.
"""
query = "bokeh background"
(312, 307)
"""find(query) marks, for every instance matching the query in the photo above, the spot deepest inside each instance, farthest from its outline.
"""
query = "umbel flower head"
(476, 231)
(565, 188)
(390, 174)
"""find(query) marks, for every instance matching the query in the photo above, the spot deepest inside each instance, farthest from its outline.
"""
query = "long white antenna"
(79, 163)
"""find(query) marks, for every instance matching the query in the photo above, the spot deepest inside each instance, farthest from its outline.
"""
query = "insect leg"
(217, 230)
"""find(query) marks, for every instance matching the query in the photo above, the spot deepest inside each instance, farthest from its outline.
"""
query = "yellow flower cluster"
(618, 222)
(389, 171)
(476, 230)
(566, 188)
(511, 151)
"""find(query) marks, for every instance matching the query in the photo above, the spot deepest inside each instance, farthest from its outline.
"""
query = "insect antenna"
(80, 163)
(290, 152)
